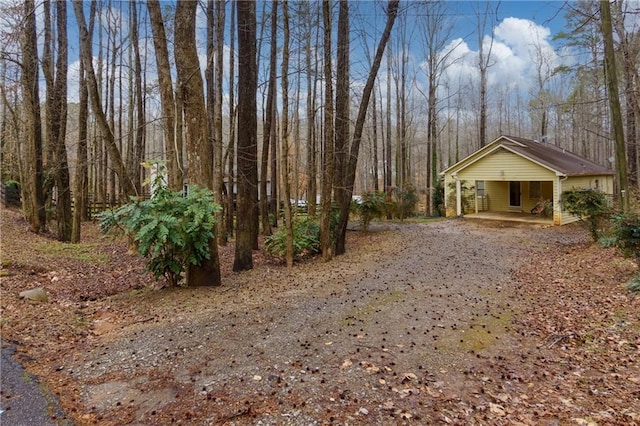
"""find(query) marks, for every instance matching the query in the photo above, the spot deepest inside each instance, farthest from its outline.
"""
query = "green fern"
(172, 231)
(306, 240)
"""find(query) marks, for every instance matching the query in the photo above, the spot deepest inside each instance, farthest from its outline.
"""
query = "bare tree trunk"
(436, 34)
(614, 105)
(34, 201)
(388, 168)
(312, 167)
(110, 108)
(173, 139)
(274, 201)
(326, 238)
(342, 116)
(284, 145)
(218, 177)
(392, 12)
(296, 136)
(213, 74)
(630, 49)
(374, 148)
(59, 129)
(247, 135)
(140, 126)
(232, 127)
(48, 160)
(82, 177)
(56, 116)
(210, 89)
(403, 160)
(268, 122)
(87, 58)
(483, 65)
(199, 155)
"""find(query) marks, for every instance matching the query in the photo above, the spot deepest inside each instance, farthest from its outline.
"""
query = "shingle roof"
(558, 159)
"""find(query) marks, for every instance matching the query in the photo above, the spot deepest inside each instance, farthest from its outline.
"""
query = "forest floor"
(447, 322)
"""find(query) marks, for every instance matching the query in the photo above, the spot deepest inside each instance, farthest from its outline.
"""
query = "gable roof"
(558, 160)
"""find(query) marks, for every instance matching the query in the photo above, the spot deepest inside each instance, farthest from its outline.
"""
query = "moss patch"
(480, 335)
(378, 302)
(86, 253)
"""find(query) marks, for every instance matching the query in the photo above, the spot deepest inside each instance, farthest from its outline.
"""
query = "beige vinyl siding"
(500, 167)
(605, 184)
(505, 166)
(498, 193)
(497, 166)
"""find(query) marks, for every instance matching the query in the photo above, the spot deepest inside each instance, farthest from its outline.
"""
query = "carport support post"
(458, 197)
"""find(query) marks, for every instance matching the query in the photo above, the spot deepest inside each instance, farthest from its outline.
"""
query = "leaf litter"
(456, 322)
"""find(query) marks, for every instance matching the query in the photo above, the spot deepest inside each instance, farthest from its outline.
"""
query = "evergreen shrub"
(170, 229)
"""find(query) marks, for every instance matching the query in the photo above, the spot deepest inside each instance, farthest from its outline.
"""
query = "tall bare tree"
(284, 144)
(435, 35)
(81, 191)
(55, 72)
(218, 143)
(311, 72)
(326, 238)
(269, 117)
(485, 18)
(32, 192)
(173, 138)
(354, 152)
(94, 96)
(213, 74)
(614, 104)
(342, 124)
(199, 152)
(247, 136)
(136, 169)
(388, 167)
(629, 42)
(231, 148)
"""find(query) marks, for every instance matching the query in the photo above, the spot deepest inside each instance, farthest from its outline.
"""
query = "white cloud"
(517, 48)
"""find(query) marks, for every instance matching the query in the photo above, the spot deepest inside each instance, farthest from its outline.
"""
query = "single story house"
(514, 175)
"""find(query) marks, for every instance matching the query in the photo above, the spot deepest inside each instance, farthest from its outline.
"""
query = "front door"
(514, 193)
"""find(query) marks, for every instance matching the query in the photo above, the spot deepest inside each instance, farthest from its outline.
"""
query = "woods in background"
(274, 104)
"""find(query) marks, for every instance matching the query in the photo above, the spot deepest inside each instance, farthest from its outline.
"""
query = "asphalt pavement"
(24, 402)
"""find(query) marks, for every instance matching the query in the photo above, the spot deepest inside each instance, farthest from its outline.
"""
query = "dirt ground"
(448, 322)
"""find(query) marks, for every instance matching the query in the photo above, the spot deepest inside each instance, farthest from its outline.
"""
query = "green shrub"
(633, 284)
(438, 199)
(626, 229)
(170, 230)
(12, 193)
(401, 203)
(608, 241)
(590, 206)
(306, 239)
(371, 206)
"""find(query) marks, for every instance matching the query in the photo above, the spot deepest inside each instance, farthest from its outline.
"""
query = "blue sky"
(535, 24)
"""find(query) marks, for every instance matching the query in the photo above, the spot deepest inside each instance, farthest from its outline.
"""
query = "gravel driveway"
(356, 340)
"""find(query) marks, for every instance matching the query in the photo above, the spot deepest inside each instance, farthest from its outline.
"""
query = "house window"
(597, 185)
(480, 188)
(535, 190)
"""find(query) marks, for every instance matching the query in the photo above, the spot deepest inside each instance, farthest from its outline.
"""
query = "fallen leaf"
(497, 409)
